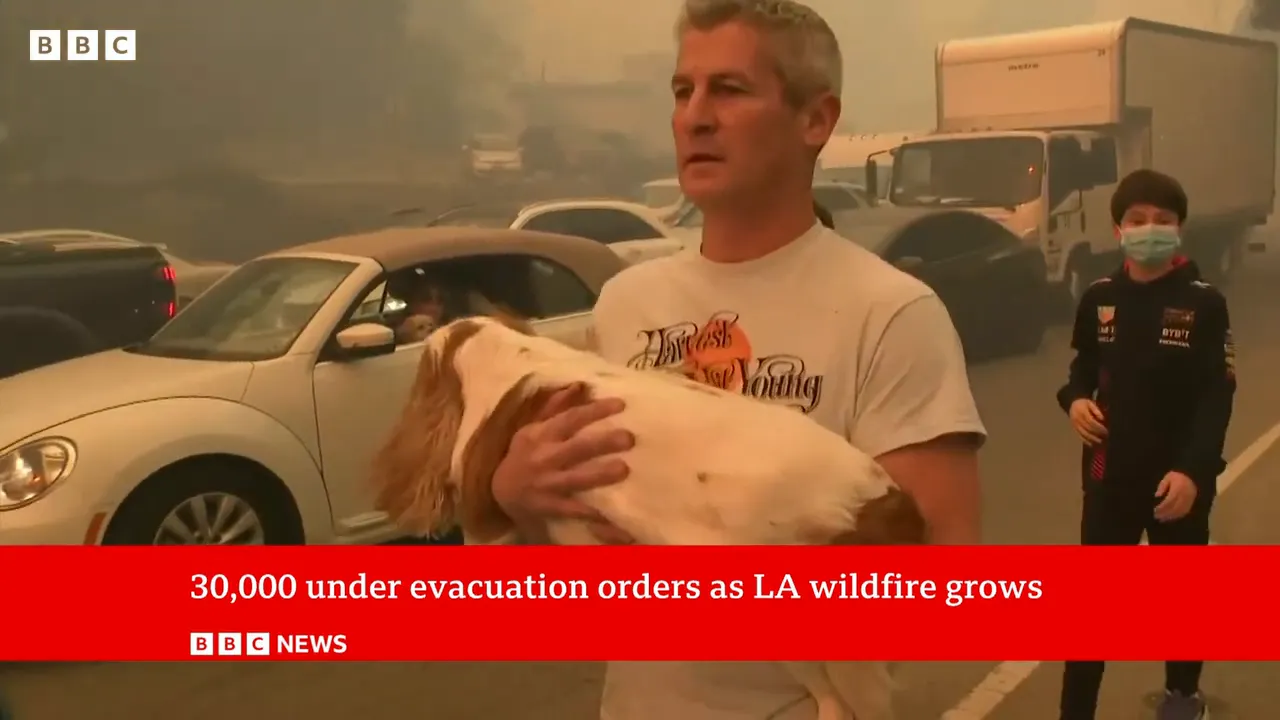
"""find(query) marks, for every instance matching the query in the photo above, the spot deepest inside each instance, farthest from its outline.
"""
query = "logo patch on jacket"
(1106, 323)
(1176, 331)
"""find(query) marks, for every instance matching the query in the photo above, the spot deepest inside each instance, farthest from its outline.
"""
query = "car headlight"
(27, 472)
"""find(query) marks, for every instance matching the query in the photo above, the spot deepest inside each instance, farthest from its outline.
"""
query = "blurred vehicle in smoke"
(193, 277)
(1264, 14)
(64, 297)
(993, 285)
(686, 220)
(631, 230)
(254, 415)
(541, 150)
(490, 154)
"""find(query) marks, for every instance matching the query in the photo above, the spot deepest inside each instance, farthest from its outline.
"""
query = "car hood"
(37, 400)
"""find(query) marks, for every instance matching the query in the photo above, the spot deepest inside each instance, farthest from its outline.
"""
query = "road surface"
(1031, 496)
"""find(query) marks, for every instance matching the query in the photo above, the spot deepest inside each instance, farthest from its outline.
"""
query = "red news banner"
(642, 603)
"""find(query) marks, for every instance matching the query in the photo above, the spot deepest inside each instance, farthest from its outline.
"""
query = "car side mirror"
(366, 340)
(871, 179)
(910, 263)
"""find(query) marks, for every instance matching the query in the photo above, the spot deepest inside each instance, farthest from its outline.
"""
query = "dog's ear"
(480, 516)
(891, 519)
(412, 472)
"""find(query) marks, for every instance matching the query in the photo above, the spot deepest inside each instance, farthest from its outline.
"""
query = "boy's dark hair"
(824, 216)
(1149, 187)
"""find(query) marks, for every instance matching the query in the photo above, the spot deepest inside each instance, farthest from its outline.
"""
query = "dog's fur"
(709, 467)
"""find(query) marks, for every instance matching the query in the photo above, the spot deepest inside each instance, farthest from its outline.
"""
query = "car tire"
(140, 517)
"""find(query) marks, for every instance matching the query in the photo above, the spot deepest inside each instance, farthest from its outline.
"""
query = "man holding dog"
(756, 310)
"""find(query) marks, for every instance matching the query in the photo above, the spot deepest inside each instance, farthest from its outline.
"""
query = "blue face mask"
(1150, 244)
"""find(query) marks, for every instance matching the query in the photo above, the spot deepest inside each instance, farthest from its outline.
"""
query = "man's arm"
(1201, 458)
(1082, 375)
(916, 415)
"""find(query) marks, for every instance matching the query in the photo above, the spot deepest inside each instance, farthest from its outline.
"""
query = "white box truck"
(1034, 129)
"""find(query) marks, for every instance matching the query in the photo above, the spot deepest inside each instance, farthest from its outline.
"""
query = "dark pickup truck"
(63, 298)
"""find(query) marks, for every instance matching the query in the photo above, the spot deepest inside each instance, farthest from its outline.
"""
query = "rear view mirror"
(871, 181)
(366, 340)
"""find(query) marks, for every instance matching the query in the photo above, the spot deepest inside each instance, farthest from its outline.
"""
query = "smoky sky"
(888, 44)
(284, 81)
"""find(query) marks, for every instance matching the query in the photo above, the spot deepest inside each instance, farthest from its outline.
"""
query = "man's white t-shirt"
(821, 325)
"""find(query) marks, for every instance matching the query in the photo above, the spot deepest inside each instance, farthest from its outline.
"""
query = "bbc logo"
(225, 644)
(118, 45)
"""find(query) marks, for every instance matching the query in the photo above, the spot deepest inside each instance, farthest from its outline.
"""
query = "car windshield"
(976, 172)
(255, 313)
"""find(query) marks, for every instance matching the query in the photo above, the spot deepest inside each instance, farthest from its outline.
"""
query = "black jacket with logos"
(1159, 360)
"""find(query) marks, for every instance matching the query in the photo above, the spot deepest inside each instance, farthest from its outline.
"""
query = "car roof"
(65, 234)
(65, 239)
(401, 247)
(589, 202)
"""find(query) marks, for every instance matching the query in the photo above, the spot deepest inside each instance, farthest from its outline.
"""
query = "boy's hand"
(1086, 418)
(1179, 493)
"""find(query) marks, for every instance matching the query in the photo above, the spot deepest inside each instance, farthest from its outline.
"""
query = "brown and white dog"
(709, 467)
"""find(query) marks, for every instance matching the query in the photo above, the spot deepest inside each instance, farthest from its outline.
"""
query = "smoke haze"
(888, 44)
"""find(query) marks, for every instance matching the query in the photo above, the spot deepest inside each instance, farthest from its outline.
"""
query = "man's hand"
(1086, 418)
(558, 456)
(1178, 493)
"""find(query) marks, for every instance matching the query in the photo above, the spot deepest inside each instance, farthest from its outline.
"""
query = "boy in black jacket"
(1150, 393)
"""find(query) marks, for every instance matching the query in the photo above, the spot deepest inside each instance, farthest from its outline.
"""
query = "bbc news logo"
(259, 644)
(117, 45)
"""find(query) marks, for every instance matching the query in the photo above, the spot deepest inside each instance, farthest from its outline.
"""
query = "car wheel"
(207, 503)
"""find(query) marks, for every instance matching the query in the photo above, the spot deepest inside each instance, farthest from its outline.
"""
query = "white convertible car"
(252, 417)
(633, 231)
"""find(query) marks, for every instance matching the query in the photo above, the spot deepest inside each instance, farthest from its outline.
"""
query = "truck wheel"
(206, 502)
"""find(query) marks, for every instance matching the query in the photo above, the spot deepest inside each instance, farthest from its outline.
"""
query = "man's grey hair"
(807, 52)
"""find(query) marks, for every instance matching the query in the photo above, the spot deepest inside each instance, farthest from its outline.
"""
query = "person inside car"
(427, 299)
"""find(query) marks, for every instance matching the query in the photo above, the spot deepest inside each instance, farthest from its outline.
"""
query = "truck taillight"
(167, 274)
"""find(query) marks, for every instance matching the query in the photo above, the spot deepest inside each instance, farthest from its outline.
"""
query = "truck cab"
(1050, 188)
(1034, 129)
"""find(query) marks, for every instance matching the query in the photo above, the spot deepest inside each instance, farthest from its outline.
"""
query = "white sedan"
(253, 416)
(633, 231)
(191, 277)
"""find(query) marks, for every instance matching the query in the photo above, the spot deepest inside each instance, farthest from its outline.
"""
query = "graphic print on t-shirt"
(719, 353)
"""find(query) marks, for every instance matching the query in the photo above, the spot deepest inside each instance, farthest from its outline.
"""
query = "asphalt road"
(1031, 496)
